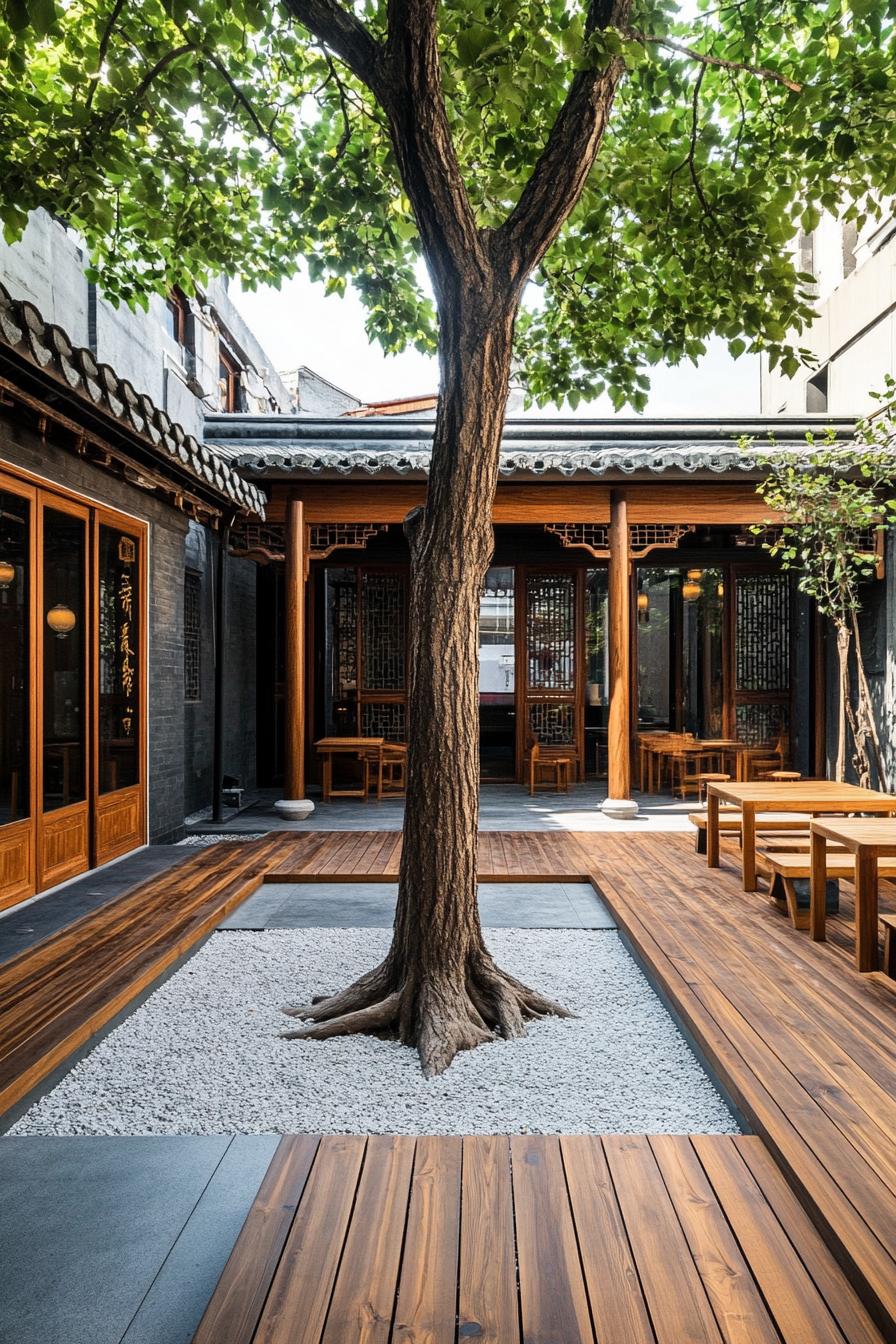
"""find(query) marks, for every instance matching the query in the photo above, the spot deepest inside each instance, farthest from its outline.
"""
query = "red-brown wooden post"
(618, 802)
(294, 804)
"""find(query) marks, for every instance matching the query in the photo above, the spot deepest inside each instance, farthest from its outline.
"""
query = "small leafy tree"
(831, 498)
(594, 186)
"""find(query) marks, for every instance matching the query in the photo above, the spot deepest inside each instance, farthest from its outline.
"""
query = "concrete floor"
(371, 905)
(119, 1240)
(502, 807)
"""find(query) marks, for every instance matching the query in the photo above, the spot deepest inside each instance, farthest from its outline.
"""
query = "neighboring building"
(853, 340)
(310, 394)
(410, 408)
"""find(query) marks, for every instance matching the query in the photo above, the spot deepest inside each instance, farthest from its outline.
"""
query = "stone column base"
(294, 809)
(619, 809)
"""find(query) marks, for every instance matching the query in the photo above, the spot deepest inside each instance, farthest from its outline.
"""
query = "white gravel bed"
(203, 1054)
(234, 836)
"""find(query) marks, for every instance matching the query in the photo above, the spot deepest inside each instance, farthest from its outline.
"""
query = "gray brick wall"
(180, 735)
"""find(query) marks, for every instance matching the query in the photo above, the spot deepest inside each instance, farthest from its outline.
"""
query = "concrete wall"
(46, 267)
(180, 735)
(854, 334)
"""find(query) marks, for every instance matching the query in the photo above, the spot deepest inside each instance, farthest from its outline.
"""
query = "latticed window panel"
(325, 538)
(760, 724)
(551, 631)
(383, 620)
(762, 638)
(387, 718)
(192, 636)
(344, 597)
(552, 723)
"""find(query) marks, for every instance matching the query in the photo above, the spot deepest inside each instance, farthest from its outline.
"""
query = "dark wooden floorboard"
(805, 1046)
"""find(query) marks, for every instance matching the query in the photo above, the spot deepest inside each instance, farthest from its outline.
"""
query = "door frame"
(18, 843)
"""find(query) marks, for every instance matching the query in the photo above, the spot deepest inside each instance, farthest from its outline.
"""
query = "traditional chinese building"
(628, 591)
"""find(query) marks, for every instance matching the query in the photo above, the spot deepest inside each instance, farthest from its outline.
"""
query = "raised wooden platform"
(530, 1240)
(804, 1045)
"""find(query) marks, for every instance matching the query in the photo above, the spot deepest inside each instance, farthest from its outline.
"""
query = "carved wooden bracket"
(864, 540)
(643, 537)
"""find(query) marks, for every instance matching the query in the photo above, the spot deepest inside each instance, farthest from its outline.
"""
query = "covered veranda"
(629, 594)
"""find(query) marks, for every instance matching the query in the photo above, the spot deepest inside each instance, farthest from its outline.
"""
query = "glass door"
(63, 651)
(119, 801)
(497, 675)
(17, 848)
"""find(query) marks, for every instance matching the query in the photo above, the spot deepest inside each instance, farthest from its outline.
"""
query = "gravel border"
(203, 1054)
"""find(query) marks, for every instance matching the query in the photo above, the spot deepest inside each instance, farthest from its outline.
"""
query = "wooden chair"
(708, 777)
(392, 780)
(557, 766)
(761, 761)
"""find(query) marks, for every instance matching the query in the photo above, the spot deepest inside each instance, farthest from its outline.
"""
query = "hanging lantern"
(690, 591)
(61, 620)
(643, 602)
(695, 575)
(720, 591)
(7, 575)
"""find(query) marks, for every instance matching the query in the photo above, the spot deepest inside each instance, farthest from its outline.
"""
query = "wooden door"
(63, 719)
(18, 605)
(119, 691)
(550, 661)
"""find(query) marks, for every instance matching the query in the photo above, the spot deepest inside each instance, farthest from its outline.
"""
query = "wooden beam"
(535, 502)
(619, 725)
(294, 772)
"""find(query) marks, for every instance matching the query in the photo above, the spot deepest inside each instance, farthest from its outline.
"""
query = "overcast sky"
(298, 324)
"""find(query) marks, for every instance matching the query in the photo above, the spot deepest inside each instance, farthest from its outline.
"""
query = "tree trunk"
(439, 988)
(867, 721)
(842, 698)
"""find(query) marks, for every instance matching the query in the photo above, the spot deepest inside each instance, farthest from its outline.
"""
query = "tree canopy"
(182, 138)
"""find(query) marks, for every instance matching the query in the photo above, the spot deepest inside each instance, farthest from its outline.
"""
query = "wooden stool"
(708, 778)
(783, 776)
(889, 923)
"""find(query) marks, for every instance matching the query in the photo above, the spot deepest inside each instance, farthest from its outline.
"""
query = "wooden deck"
(529, 1240)
(803, 1044)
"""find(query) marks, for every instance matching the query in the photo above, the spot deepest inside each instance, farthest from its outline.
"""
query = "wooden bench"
(788, 876)
(889, 923)
(730, 821)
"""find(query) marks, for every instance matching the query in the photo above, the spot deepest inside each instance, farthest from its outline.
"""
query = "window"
(229, 382)
(850, 238)
(15, 671)
(817, 391)
(179, 319)
(192, 636)
(806, 248)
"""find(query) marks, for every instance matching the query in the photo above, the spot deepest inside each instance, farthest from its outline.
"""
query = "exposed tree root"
(440, 1014)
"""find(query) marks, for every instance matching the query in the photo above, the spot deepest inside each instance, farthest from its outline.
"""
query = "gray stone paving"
(371, 905)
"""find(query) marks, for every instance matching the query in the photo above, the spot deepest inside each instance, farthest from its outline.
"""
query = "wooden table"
(805, 795)
(868, 840)
(363, 748)
(676, 746)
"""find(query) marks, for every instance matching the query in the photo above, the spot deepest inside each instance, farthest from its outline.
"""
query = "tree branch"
(345, 35)
(103, 49)
(559, 176)
(424, 147)
(760, 71)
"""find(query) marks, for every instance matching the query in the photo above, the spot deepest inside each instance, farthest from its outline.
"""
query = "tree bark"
(865, 715)
(842, 698)
(439, 988)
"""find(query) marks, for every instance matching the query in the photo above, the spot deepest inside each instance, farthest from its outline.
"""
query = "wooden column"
(294, 803)
(619, 785)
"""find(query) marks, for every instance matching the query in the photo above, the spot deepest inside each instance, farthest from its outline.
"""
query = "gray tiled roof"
(47, 346)
(300, 445)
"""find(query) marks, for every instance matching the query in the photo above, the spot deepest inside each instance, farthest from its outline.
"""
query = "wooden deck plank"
(488, 1310)
(235, 1309)
(798, 1309)
(675, 1294)
(426, 1312)
(617, 1301)
(553, 1298)
(296, 1306)
(364, 1296)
